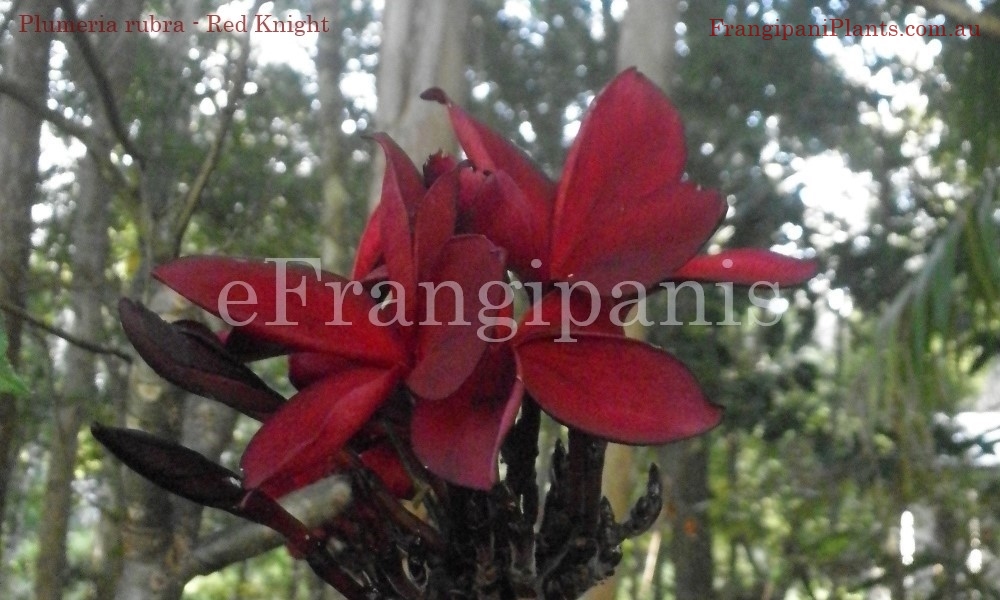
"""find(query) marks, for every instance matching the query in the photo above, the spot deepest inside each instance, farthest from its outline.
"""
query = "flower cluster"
(416, 394)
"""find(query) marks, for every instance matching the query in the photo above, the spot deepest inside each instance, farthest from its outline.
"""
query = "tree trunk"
(154, 406)
(337, 234)
(423, 46)
(28, 62)
(89, 236)
(647, 39)
(691, 543)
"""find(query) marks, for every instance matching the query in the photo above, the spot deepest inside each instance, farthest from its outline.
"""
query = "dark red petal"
(190, 356)
(386, 464)
(248, 348)
(616, 388)
(490, 151)
(631, 143)
(402, 190)
(437, 165)
(636, 238)
(188, 474)
(173, 467)
(448, 352)
(298, 445)
(502, 212)
(434, 222)
(203, 279)
(369, 246)
(306, 368)
(747, 266)
(402, 178)
(559, 314)
(620, 180)
(459, 438)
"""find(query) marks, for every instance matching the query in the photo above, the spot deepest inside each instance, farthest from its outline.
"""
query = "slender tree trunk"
(90, 239)
(423, 46)
(338, 236)
(147, 533)
(691, 544)
(106, 553)
(647, 39)
(89, 291)
(28, 62)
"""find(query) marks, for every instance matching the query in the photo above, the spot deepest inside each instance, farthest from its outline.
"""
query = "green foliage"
(10, 383)
(970, 104)
(945, 323)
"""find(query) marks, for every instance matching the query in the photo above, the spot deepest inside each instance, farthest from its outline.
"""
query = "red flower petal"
(434, 222)
(747, 266)
(615, 388)
(637, 238)
(447, 353)
(402, 178)
(490, 151)
(383, 460)
(402, 189)
(369, 246)
(621, 212)
(502, 212)
(556, 316)
(459, 438)
(205, 280)
(297, 445)
(306, 368)
(437, 165)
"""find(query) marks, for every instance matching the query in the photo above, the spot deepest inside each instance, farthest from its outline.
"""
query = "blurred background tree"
(857, 458)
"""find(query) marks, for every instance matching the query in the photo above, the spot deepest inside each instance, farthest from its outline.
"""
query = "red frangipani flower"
(349, 354)
(418, 359)
(620, 213)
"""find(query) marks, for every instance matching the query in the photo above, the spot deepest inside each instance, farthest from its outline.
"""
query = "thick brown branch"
(62, 333)
(211, 160)
(312, 506)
